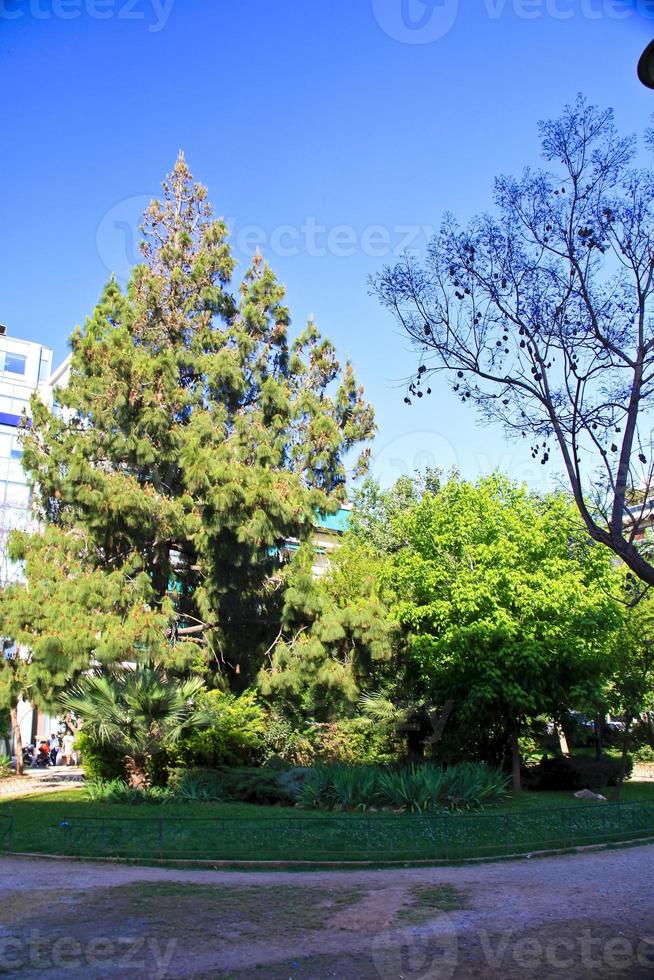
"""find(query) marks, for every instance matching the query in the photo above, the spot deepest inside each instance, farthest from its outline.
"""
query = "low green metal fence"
(365, 837)
(6, 825)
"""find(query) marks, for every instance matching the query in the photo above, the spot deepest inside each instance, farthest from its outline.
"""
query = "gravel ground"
(582, 915)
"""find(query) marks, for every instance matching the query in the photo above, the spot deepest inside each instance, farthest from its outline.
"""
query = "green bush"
(102, 763)
(416, 788)
(644, 754)
(117, 791)
(286, 743)
(235, 737)
(293, 779)
(262, 786)
(277, 764)
(5, 766)
(354, 741)
(575, 773)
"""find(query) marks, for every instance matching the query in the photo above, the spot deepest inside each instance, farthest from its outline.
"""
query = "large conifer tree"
(192, 440)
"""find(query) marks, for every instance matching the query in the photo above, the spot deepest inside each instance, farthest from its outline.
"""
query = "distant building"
(330, 528)
(25, 368)
(642, 516)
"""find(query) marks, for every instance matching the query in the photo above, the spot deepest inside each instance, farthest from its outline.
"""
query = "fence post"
(65, 826)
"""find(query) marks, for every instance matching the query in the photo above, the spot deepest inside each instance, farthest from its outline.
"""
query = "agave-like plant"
(196, 788)
(317, 789)
(473, 784)
(418, 788)
(141, 711)
(353, 787)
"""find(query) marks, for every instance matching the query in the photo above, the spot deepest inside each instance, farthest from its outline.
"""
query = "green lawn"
(67, 823)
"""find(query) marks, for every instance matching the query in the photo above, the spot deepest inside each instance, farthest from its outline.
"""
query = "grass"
(424, 903)
(158, 903)
(245, 832)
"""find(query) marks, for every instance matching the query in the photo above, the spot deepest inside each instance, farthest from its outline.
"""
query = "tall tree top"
(195, 436)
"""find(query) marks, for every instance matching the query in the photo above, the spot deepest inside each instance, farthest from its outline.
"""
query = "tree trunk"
(415, 744)
(137, 777)
(515, 762)
(599, 744)
(18, 739)
(625, 753)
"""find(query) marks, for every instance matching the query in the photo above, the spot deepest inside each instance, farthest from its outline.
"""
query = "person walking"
(68, 743)
(54, 748)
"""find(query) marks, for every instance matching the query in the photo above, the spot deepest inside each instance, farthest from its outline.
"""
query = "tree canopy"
(509, 608)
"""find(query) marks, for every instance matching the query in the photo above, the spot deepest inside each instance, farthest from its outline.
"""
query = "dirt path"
(585, 915)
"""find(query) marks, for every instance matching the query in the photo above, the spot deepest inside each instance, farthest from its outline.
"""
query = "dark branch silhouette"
(541, 313)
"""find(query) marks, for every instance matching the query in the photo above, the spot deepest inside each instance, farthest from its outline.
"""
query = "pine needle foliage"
(194, 438)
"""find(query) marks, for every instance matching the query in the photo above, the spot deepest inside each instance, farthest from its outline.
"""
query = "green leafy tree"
(630, 692)
(507, 604)
(373, 520)
(142, 711)
(192, 440)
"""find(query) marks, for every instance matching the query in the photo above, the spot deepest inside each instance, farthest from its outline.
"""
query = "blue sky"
(331, 132)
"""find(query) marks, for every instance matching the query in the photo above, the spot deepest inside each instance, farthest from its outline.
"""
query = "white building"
(25, 368)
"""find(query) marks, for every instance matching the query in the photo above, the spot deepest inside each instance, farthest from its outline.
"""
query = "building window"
(14, 494)
(14, 363)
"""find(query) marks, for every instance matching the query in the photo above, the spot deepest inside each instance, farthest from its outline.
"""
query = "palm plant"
(140, 710)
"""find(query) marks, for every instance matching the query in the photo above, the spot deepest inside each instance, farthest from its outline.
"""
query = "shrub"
(262, 786)
(285, 742)
(575, 773)
(117, 791)
(235, 737)
(277, 764)
(102, 763)
(293, 780)
(5, 766)
(255, 786)
(474, 784)
(644, 754)
(416, 788)
(353, 787)
(195, 787)
(357, 741)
